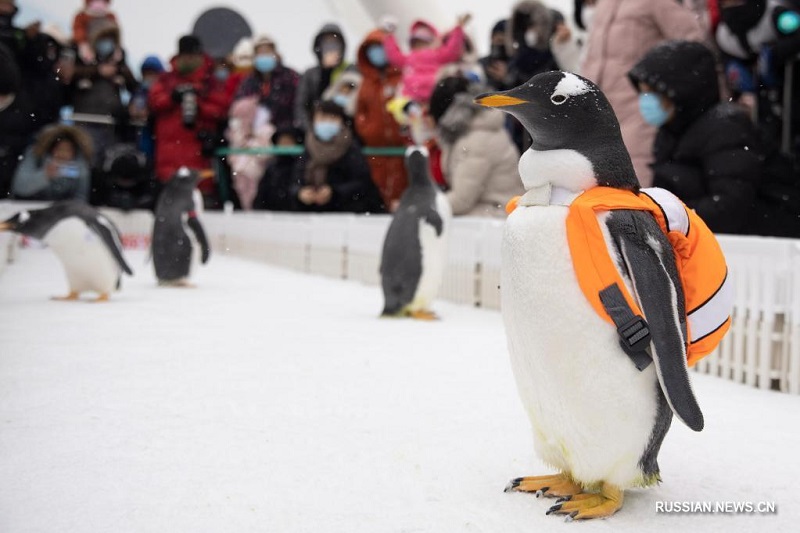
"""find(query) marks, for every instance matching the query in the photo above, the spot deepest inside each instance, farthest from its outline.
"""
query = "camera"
(189, 108)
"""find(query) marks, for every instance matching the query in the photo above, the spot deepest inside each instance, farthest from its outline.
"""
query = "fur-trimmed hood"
(53, 134)
(521, 17)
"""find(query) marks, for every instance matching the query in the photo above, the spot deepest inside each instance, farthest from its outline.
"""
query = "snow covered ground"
(270, 401)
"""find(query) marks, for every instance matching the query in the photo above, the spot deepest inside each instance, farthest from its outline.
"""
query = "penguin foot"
(554, 486)
(71, 297)
(102, 298)
(590, 505)
(423, 315)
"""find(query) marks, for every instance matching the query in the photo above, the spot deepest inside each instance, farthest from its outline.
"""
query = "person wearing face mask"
(95, 14)
(56, 166)
(344, 91)
(138, 111)
(528, 36)
(275, 188)
(706, 152)
(621, 32)
(97, 89)
(329, 47)
(333, 175)
(375, 125)
(264, 102)
(187, 103)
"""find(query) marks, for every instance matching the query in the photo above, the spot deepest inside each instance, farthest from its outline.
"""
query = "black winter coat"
(277, 190)
(713, 165)
(351, 182)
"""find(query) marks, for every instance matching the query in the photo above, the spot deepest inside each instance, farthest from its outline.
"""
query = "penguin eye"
(559, 99)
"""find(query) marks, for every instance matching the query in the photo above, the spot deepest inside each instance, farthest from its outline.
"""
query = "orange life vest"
(701, 264)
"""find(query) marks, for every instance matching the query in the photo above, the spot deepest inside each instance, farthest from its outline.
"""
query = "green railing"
(373, 151)
(223, 180)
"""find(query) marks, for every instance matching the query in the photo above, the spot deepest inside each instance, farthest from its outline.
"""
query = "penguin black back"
(564, 111)
(37, 223)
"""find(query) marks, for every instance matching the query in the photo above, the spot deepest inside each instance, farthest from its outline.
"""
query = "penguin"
(596, 417)
(415, 248)
(85, 241)
(174, 252)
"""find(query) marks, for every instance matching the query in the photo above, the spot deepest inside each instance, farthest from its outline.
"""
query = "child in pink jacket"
(426, 57)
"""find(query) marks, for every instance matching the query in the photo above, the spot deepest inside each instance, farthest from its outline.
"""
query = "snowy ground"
(270, 401)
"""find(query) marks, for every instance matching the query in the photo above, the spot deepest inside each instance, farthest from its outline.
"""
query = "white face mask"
(6, 101)
(531, 38)
(587, 15)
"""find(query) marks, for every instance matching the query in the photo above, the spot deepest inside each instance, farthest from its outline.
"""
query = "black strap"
(634, 333)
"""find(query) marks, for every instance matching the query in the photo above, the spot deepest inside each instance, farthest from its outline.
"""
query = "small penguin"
(174, 253)
(415, 247)
(596, 417)
(86, 242)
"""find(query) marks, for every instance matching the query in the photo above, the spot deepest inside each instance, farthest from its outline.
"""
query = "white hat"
(243, 53)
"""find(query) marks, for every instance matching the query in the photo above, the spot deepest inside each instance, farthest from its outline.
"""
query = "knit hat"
(297, 134)
(190, 44)
(264, 40)
(153, 64)
(500, 26)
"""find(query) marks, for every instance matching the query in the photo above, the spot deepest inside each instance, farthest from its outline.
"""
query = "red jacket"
(375, 125)
(177, 145)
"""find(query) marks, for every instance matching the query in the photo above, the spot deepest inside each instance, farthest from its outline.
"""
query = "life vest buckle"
(634, 337)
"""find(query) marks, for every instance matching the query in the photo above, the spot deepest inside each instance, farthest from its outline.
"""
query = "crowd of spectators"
(699, 87)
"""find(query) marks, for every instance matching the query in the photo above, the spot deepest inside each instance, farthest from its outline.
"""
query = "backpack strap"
(634, 333)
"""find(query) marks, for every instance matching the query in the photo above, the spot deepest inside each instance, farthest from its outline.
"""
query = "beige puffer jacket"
(479, 160)
(621, 33)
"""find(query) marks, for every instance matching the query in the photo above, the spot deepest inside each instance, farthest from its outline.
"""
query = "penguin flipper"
(109, 233)
(200, 235)
(649, 260)
(433, 218)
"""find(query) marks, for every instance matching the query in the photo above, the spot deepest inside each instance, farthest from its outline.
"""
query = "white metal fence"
(762, 349)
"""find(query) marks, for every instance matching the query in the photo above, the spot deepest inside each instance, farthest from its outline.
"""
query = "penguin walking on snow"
(597, 417)
(415, 248)
(174, 252)
(85, 241)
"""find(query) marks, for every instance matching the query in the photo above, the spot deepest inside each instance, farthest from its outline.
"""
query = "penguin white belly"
(591, 411)
(434, 250)
(88, 263)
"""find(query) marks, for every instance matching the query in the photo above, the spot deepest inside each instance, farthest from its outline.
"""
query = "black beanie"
(444, 94)
(329, 107)
(190, 44)
(10, 79)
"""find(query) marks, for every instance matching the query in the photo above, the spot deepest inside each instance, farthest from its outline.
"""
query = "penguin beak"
(498, 100)
(6, 226)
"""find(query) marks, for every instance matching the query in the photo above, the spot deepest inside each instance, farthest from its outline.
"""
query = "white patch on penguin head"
(564, 168)
(569, 86)
(24, 216)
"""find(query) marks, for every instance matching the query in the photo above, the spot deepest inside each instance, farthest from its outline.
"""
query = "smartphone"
(69, 170)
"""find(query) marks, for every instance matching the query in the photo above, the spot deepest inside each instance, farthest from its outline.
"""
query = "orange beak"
(498, 100)
(5, 226)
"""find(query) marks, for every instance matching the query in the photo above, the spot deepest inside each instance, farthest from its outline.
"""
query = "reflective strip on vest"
(675, 213)
(710, 316)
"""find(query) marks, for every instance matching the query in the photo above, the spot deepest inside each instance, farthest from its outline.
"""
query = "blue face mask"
(342, 100)
(651, 109)
(326, 130)
(377, 56)
(222, 74)
(105, 47)
(265, 63)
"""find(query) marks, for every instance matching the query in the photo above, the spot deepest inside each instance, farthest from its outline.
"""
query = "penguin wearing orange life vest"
(600, 401)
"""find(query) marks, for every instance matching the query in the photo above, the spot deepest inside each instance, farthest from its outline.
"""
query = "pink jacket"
(622, 31)
(421, 66)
